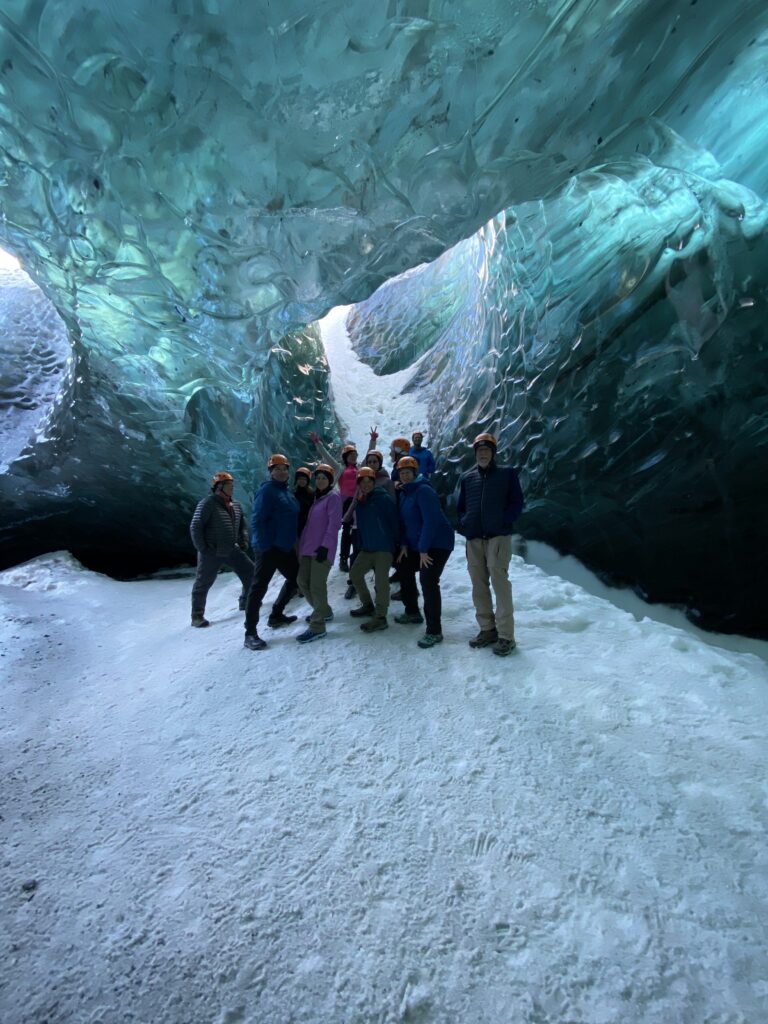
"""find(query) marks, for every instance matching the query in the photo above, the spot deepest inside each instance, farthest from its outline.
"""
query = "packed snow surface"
(362, 831)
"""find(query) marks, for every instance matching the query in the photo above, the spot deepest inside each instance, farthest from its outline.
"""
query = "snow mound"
(58, 571)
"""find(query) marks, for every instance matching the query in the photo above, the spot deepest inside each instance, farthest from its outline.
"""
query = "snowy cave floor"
(362, 831)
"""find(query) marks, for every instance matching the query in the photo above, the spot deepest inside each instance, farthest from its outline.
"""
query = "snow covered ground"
(361, 831)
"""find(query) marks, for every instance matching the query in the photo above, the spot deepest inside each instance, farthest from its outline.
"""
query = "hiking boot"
(242, 601)
(350, 592)
(254, 642)
(200, 621)
(409, 618)
(308, 636)
(372, 625)
(484, 638)
(362, 611)
(397, 596)
(343, 565)
(503, 647)
(328, 618)
(430, 639)
(275, 621)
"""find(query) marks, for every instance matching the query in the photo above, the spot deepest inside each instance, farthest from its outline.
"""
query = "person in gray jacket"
(220, 537)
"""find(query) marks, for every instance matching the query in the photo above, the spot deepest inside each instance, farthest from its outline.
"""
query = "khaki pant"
(381, 563)
(313, 583)
(488, 564)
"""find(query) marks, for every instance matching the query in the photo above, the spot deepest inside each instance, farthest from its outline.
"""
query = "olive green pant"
(381, 563)
(488, 565)
(313, 583)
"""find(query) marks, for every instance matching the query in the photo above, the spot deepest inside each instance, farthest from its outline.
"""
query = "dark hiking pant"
(266, 565)
(208, 565)
(430, 586)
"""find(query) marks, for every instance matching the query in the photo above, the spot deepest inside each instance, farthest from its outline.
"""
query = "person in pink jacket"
(317, 551)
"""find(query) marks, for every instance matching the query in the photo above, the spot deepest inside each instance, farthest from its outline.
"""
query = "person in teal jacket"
(274, 531)
(426, 544)
(378, 530)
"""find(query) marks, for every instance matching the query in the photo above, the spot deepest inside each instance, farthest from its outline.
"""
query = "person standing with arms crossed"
(490, 499)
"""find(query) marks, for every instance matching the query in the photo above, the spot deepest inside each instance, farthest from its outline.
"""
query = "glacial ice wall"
(192, 184)
(613, 337)
(34, 349)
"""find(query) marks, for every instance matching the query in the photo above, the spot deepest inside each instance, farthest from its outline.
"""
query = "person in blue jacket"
(427, 542)
(274, 531)
(378, 531)
(490, 499)
(423, 456)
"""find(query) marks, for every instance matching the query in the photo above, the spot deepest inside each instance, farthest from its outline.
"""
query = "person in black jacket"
(220, 537)
(303, 493)
(490, 499)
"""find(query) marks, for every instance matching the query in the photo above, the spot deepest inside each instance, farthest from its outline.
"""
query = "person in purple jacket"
(317, 551)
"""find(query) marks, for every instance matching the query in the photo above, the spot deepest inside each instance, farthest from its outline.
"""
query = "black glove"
(321, 555)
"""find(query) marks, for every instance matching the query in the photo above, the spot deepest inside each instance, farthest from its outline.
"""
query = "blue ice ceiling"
(193, 184)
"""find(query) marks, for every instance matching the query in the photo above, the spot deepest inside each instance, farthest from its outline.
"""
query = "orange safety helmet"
(377, 453)
(221, 478)
(401, 444)
(408, 462)
(486, 439)
(277, 460)
(303, 471)
(325, 468)
(366, 473)
(346, 451)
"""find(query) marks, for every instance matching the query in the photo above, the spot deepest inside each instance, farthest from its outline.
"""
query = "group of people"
(385, 519)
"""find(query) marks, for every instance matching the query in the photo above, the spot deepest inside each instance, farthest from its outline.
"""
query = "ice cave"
(227, 224)
(556, 208)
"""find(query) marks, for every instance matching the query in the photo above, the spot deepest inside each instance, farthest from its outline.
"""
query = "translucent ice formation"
(193, 184)
(611, 336)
